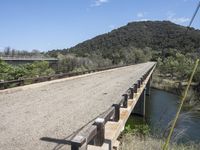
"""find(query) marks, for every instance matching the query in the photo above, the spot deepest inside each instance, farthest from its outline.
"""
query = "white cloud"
(99, 2)
(180, 20)
(140, 15)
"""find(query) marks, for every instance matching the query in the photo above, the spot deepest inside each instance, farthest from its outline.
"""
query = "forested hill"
(157, 35)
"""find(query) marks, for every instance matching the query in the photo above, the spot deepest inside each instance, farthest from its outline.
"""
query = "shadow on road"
(60, 142)
(53, 140)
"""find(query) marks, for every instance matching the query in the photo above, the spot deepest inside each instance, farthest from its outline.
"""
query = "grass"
(137, 126)
(131, 141)
(137, 136)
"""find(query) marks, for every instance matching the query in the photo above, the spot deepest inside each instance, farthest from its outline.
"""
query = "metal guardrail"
(26, 81)
(94, 134)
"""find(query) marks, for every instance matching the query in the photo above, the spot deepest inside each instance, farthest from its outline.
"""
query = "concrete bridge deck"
(57, 108)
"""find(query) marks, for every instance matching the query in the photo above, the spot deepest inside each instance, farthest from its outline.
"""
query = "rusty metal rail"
(94, 133)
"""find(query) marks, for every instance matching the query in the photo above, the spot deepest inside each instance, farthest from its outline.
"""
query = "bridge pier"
(140, 105)
(148, 87)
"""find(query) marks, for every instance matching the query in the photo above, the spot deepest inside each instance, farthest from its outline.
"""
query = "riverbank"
(139, 142)
(162, 83)
(172, 85)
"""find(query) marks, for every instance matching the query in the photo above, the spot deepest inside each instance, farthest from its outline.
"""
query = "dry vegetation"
(133, 142)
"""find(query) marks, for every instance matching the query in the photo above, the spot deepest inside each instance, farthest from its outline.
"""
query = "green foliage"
(72, 63)
(6, 71)
(138, 129)
(36, 69)
(178, 66)
(136, 126)
(39, 68)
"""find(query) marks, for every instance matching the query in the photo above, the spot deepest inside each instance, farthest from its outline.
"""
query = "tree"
(36, 69)
(7, 51)
(5, 71)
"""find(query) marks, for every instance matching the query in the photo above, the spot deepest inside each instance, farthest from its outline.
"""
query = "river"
(161, 108)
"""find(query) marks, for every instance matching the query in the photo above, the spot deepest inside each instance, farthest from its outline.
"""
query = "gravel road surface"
(57, 109)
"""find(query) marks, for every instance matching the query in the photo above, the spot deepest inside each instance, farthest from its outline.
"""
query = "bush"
(178, 66)
(136, 126)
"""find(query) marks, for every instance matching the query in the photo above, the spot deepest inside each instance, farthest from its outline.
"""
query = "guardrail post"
(21, 82)
(78, 143)
(117, 112)
(131, 93)
(139, 83)
(125, 103)
(135, 87)
(141, 80)
(145, 75)
(99, 139)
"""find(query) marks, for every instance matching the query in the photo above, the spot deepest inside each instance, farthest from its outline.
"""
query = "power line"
(192, 19)
(195, 13)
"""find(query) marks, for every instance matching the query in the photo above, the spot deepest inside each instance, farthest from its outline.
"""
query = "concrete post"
(117, 112)
(125, 103)
(100, 137)
(131, 93)
(140, 105)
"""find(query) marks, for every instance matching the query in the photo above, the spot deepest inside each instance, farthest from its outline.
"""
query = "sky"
(57, 24)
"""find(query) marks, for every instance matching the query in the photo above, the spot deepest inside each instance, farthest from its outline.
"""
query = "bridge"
(81, 112)
(23, 60)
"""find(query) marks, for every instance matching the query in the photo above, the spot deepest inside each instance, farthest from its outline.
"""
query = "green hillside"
(160, 36)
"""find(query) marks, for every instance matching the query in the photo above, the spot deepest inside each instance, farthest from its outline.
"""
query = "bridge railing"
(94, 133)
(26, 81)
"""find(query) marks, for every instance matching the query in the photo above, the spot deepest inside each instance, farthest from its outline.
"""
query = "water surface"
(161, 108)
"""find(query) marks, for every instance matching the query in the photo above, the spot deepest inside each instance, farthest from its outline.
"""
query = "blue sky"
(52, 24)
